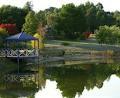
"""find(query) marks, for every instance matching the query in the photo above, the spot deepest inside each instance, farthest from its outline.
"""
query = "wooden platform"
(19, 53)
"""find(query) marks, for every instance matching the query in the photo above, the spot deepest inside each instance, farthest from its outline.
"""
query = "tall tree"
(28, 6)
(116, 15)
(90, 16)
(71, 21)
(31, 24)
(41, 18)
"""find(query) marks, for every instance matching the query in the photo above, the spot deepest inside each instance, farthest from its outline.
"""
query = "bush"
(108, 34)
(65, 43)
(81, 37)
(87, 34)
(3, 35)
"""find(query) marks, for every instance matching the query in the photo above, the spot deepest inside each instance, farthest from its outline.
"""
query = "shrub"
(65, 43)
(81, 37)
(87, 34)
(3, 35)
(108, 34)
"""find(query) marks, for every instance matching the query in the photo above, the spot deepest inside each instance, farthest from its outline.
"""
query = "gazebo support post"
(6, 48)
(25, 44)
(18, 64)
(34, 44)
(34, 47)
(38, 59)
(38, 47)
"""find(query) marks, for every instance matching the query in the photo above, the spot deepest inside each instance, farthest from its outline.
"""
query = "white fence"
(19, 53)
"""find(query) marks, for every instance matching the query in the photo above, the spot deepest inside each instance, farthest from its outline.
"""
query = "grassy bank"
(86, 47)
(87, 44)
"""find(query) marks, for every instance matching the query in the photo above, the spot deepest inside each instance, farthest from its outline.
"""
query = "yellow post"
(41, 42)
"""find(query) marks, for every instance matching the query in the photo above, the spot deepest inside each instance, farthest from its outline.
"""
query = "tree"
(52, 22)
(70, 21)
(90, 16)
(116, 15)
(41, 18)
(99, 6)
(31, 24)
(12, 15)
(109, 19)
(28, 6)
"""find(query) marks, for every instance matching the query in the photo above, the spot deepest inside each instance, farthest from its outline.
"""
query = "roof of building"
(21, 37)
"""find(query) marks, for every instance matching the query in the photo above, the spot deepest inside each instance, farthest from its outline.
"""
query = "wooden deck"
(19, 53)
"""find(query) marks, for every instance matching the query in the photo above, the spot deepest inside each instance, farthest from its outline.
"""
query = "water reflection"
(110, 89)
(69, 80)
(49, 91)
(73, 79)
(20, 81)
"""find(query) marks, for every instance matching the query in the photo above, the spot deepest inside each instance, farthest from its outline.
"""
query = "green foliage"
(65, 43)
(108, 34)
(3, 35)
(81, 37)
(116, 15)
(69, 19)
(28, 6)
(63, 22)
(41, 18)
(31, 24)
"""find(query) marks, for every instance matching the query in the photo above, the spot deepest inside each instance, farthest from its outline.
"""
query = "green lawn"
(89, 44)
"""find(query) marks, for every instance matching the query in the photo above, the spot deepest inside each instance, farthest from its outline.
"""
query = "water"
(63, 79)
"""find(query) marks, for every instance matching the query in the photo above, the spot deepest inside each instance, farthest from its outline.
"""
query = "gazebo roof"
(21, 37)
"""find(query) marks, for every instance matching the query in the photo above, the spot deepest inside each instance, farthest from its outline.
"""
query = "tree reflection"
(74, 79)
(23, 84)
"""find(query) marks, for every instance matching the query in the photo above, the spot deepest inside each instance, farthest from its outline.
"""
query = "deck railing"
(20, 77)
(2, 53)
(19, 53)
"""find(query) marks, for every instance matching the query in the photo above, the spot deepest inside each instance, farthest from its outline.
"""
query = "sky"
(107, 91)
(109, 5)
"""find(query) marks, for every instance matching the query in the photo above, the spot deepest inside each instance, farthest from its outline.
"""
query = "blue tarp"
(21, 37)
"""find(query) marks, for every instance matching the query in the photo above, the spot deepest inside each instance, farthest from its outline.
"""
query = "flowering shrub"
(87, 34)
(10, 28)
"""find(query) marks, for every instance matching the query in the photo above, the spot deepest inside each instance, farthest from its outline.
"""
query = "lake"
(62, 79)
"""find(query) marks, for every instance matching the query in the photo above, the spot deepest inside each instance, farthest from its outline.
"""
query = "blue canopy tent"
(21, 37)
(16, 41)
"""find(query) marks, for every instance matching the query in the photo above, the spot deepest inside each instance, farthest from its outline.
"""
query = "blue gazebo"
(16, 46)
(21, 37)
